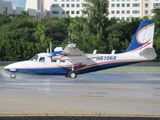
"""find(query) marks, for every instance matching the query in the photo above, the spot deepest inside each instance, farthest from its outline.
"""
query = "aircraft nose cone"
(6, 67)
(9, 68)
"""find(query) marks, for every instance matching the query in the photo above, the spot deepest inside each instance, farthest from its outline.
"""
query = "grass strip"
(135, 69)
(1, 67)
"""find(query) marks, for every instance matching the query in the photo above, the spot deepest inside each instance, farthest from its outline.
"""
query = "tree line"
(22, 36)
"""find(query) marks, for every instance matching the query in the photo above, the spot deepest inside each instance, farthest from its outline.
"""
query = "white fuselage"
(84, 64)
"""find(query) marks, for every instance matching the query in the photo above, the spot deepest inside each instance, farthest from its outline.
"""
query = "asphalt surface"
(94, 94)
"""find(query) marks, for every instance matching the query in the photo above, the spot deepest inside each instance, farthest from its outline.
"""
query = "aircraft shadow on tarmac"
(90, 77)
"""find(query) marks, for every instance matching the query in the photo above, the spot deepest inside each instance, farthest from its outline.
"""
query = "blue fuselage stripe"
(66, 70)
(45, 71)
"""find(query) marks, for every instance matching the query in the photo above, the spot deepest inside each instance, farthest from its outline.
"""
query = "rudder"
(143, 37)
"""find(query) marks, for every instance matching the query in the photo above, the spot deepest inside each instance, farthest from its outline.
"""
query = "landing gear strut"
(71, 74)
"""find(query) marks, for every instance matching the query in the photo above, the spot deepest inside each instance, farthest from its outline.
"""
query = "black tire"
(13, 76)
(72, 75)
(67, 76)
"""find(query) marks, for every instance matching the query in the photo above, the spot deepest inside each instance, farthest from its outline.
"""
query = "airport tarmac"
(94, 94)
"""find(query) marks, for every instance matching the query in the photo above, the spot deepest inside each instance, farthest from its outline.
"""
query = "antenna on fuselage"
(50, 47)
(47, 50)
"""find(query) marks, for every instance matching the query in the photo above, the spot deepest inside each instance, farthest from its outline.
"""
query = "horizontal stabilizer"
(149, 53)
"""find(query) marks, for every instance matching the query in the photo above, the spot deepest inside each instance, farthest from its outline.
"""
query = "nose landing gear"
(13, 75)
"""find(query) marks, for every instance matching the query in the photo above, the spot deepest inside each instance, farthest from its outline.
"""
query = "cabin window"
(54, 60)
(62, 61)
(41, 59)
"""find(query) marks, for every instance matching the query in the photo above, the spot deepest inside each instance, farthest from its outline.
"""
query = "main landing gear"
(71, 74)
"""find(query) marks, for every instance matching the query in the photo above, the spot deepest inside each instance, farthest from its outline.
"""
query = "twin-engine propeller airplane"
(71, 61)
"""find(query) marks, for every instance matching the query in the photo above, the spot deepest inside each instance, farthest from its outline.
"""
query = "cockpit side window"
(41, 59)
(35, 58)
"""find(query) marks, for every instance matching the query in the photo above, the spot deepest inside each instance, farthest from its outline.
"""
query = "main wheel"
(72, 75)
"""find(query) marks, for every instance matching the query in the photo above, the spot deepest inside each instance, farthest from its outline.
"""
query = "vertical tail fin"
(143, 37)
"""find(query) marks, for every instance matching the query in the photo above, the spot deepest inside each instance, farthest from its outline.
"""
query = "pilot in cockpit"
(42, 59)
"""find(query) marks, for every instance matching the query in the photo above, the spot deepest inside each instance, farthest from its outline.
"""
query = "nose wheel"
(13, 75)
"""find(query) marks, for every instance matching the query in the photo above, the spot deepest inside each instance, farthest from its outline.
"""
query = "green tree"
(4, 19)
(14, 36)
(156, 18)
(89, 31)
(96, 12)
(120, 33)
(56, 31)
(40, 32)
(24, 14)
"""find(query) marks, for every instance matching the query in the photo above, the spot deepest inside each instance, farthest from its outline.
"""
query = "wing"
(72, 59)
(74, 55)
(71, 50)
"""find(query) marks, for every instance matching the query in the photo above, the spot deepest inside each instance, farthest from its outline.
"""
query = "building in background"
(120, 9)
(127, 9)
(59, 8)
(36, 8)
(5, 7)
(63, 8)
(17, 10)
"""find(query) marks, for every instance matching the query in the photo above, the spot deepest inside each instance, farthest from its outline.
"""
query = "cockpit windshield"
(35, 58)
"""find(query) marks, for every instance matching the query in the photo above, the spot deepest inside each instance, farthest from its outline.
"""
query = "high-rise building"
(36, 8)
(5, 7)
(120, 9)
(63, 8)
(59, 8)
(127, 9)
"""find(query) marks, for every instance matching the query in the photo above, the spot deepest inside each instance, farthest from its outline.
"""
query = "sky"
(18, 3)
